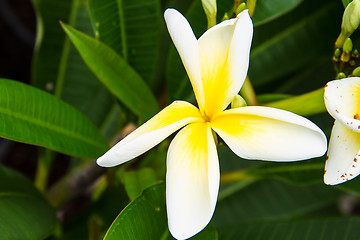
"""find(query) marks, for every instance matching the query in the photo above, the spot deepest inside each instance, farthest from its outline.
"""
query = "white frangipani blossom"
(217, 65)
(342, 100)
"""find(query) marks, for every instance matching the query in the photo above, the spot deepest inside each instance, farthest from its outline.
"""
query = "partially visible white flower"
(342, 100)
(217, 65)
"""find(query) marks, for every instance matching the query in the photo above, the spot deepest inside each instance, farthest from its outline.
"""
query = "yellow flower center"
(206, 117)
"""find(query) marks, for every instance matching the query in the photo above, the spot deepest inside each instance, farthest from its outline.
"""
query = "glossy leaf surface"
(145, 219)
(57, 66)
(115, 73)
(24, 212)
(33, 116)
(132, 29)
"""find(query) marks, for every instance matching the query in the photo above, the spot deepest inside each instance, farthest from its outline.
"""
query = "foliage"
(109, 65)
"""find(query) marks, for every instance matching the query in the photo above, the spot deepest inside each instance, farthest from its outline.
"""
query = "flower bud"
(350, 22)
(355, 53)
(340, 75)
(238, 101)
(240, 8)
(348, 46)
(337, 52)
(347, 49)
(356, 72)
(210, 11)
(225, 17)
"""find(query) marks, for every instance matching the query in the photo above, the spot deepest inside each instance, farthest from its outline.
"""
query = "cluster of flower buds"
(239, 6)
(346, 58)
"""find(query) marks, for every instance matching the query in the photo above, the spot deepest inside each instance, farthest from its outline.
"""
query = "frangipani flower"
(342, 100)
(217, 65)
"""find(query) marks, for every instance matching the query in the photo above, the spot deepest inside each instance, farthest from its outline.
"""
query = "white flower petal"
(342, 100)
(343, 155)
(266, 133)
(192, 180)
(188, 48)
(224, 58)
(167, 121)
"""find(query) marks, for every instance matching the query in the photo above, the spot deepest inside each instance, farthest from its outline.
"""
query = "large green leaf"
(272, 200)
(145, 219)
(302, 172)
(24, 213)
(299, 39)
(33, 116)
(115, 73)
(352, 186)
(266, 10)
(132, 29)
(307, 229)
(346, 2)
(58, 67)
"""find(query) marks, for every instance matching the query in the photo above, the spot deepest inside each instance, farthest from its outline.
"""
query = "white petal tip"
(102, 162)
(170, 12)
(336, 179)
(108, 160)
(245, 12)
(182, 234)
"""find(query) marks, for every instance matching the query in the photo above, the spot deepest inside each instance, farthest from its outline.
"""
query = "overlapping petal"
(343, 155)
(188, 48)
(167, 121)
(342, 101)
(269, 134)
(192, 180)
(224, 58)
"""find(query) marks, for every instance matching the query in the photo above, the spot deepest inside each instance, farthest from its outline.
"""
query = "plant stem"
(235, 176)
(251, 6)
(248, 93)
(43, 168)
(74, 183)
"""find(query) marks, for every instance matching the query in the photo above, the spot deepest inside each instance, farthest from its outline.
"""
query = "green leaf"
(136, 181)
(301, 172)
(308, 229)
(24, 213)
(132, 29)
(266, 10)
(235, 169)
(115, 73)
(33, 116)
(145, 219)
(57, 66)
(352, 186)
(271, 200)
(295, 41)
(346, 2)
(307, 104)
